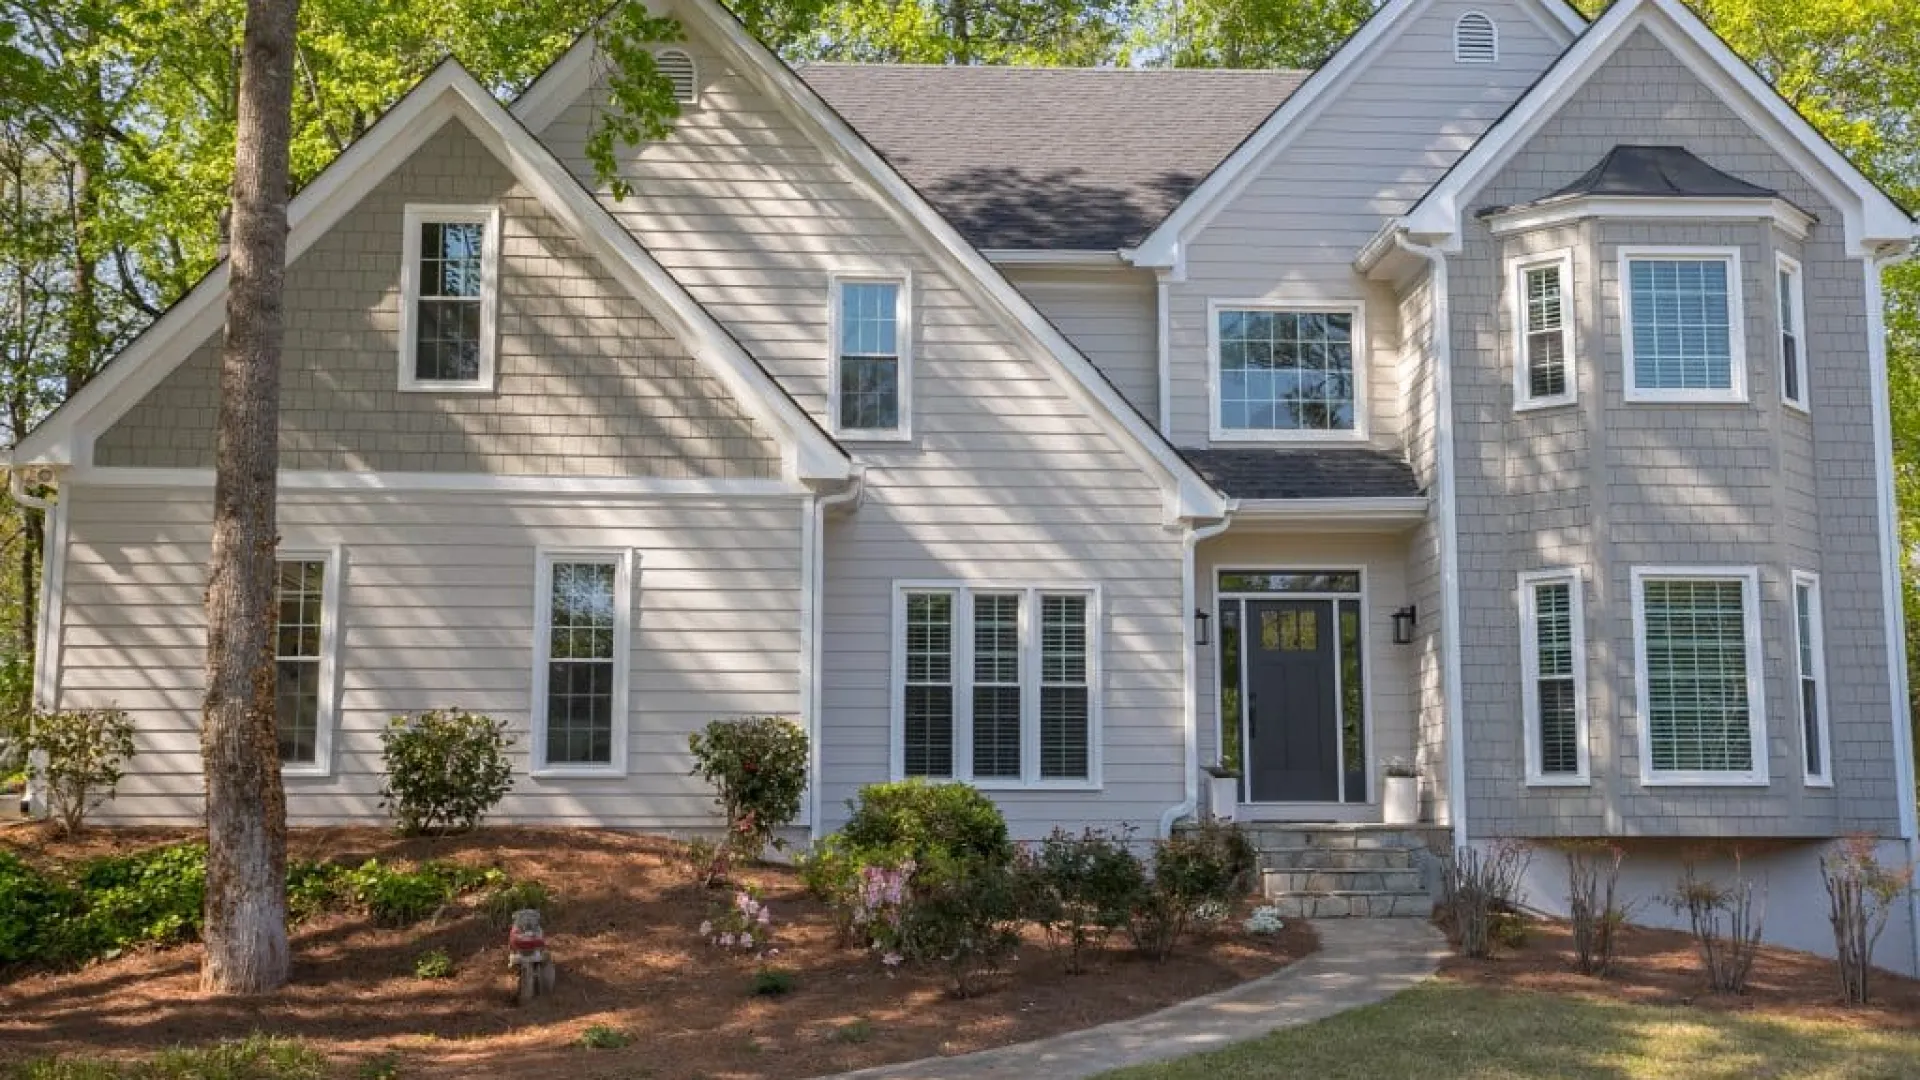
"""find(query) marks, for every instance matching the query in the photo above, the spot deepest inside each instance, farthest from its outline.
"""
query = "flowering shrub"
(1197, 875)
(1263, 921)
(961, 914)
(744, 924)
(880, 906)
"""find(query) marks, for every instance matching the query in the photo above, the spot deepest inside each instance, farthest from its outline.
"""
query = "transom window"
(448, 301)
(997, 685)
(1553, 670)
(302, 650)
(1282, 372)
(1793, 319)
(871, 375)
(1810, 658)
(1543, 332)
(1683, 332)
(581, 661)
(1701, 703)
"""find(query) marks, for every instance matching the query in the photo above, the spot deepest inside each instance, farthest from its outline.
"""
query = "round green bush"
(758, 767)
(931, 821)
(445, 769)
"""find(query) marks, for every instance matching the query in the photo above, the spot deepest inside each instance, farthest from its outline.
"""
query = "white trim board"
(449, 94)
(304, 480)
(1789, 218)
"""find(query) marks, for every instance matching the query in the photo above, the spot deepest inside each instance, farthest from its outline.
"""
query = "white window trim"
(624, 560)
(416, 215)
(1749, 578)
(331, 581)
(1807, 579)
(1362, 365)
(1518, 267)
(1530, 673)
(1796, 300)
(1493, 28)
(1736, 332)
(904, 331)
(962, 682)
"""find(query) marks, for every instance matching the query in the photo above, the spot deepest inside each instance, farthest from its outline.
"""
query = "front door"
(1293, 719)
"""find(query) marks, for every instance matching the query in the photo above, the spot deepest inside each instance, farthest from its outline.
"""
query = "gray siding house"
(1507, 396)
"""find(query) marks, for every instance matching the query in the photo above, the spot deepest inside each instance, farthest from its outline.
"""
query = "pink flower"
(746, 941)
(706, 928)
(766, 917)
(891, 959)
(726, 941)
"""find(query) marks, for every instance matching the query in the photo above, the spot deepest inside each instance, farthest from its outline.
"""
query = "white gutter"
(1395, 510)
(1065, 257)
(813, 561)
(1444, 513)
(1189, 676)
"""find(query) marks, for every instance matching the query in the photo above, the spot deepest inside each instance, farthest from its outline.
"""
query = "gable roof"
(448, 94)
(1873, 218)
(1087, 159)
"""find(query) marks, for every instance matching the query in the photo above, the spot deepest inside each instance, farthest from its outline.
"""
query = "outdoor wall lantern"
(1200, 621)
(1403, 623)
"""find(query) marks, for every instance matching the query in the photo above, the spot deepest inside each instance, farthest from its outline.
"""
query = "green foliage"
(257, 1057)
(30, 903)
(433, 964)
(1079, 889)
(500, 904)
(402, 898)
(1246, 33)
(154, 897)
(772, 982)
(1208, 867)
(963, 916)
(929, 822)
(445, 769)
(85, 750)
(315, 888)
(854, 1032)
(758, 767)
(1056, 32)
(385, 1066)
(604, 1037)
(639, 100)
(16, 710)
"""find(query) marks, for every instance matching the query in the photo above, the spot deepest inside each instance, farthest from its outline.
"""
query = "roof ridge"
(1091, 70)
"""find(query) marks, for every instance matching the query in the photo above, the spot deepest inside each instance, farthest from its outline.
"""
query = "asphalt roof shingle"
(1653, 172)
(1052, 158)
(1342, 472)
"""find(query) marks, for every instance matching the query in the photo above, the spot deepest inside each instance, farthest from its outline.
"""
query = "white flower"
(706, 928)
(726, 941)
(766, 917)
(891, 959)
(746, 941)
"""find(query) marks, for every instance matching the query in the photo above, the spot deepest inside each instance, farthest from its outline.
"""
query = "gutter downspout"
(814, 560)
(1444, 512)
(1887, 521)
(1189, 672)
(32, 801)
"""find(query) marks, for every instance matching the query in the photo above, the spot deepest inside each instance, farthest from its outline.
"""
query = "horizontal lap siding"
(1112, 316)
(438, 610)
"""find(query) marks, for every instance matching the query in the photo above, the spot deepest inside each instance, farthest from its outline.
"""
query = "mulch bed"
(624, 935)
(1663, 967)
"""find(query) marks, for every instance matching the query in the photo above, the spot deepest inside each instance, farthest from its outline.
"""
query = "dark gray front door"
(1292, 701)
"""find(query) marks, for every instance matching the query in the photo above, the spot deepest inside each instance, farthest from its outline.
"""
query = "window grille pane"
(996, 731)
(581, 660)
(996, 692)
(1064, 713)
(1545, 337)
(1230, 646)
(1789, 338)
(1682, 324)
(1698, 712)
(1305, 581)
(869, 318)
(928, 706)
(297, 635)
(1805, 616)
(929, 731)
(1286, 370)
(869, 393)
(1554, 690)
(447, 312)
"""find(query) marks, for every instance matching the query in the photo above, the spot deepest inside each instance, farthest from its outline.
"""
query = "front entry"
(1293, 701)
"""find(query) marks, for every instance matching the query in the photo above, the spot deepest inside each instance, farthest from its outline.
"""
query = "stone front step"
(1354, 905)
(1341, 871)
(1314, 858)
(1323, 880)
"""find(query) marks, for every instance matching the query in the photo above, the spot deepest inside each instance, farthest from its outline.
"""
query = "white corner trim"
(905, 328)
(1813, 643)
(625, 562)
(1750, 604)
(1190, 538)
(1395, 511)
(1737, 392)
(1361, 343)
(1888, 527)
(1527, 598)
(53, 605)
(1517, 270)
(413, 217)
(333, 577)
(486, 483)
(1793, 305)
(1791, 220)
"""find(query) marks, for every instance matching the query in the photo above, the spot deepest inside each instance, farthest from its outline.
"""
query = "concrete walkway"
(1360, 961)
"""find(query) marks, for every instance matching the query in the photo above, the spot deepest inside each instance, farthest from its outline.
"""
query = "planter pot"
(1400, 800)
(1223, 792)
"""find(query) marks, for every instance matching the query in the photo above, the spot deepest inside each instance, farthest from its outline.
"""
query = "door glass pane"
(1296, 581)
(1230, 704)
(1353, 723)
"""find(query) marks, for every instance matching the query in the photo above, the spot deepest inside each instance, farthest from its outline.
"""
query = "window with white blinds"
(997, 685)
(1553, 665)
(1702, 707)
(1543, 331)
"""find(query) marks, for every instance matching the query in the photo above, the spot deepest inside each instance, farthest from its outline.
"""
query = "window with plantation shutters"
(1553, 664)
(1543, 332)
(1701, 704)
(997, 685)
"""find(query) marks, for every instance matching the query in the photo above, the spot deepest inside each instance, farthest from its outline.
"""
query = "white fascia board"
(1395, 513)
(421, 482)
(1872, 220)
(1792, 220)
(1063, 257)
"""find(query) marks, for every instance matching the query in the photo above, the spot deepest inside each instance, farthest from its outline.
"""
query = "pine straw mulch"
(624, 935)
(1663, 968)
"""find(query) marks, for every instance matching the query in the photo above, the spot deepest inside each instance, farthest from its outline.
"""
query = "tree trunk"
(246, 927)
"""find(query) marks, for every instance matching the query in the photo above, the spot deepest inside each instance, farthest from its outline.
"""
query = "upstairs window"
(1683, 334)
(872, 374)
(1283, 373)
(1476, 40)
(1702, 705)
(303, 637)
(1553, 665)
(1793, 336)
(449, 293)
(1543, 332)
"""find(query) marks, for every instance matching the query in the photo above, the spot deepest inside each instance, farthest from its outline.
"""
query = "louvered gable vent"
(1475, 39)
(677, 66)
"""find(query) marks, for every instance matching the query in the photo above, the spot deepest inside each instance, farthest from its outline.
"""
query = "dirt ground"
(1663, 967)
(625, 938)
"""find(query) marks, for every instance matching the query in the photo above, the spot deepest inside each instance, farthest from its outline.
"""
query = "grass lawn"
(1447, 1029)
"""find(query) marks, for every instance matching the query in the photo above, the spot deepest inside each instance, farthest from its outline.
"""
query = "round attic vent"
(1475, 39)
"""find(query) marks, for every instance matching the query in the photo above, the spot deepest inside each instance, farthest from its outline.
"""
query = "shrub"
(1079, 889)
(758, 765)
(500, 904)
(403, 897)
(16, 711)
(603, 1037)
(383, 1066)
(30, 904)
(1264, 922)
(433, 964)
(1860, 893)
(929, 823)
(772, 982)
(1200, 872)
(445, 769)
(856, 1031)
(743, 923)
(1726, 951)
(961, 914)
(314, 888)
(1593, 880)
(1478, 887)
(84, 752)
(700, 855)
(154, 897)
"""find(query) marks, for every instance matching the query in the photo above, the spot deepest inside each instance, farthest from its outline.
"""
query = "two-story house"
(1508, 395)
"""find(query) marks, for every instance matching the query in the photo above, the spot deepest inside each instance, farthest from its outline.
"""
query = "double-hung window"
(449, 297)
(872, 362)
(1683, 333)
(1543, 331)
(1793, 335)
(1553, 667)
(1810, 665)
(1282, 373)
(582, 649)
(304, 635)
(1702, 703)
(997, 684)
